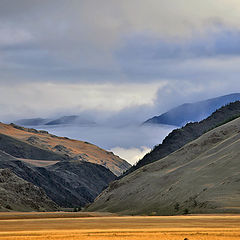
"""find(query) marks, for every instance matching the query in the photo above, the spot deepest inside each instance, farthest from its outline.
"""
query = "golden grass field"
(51, 226)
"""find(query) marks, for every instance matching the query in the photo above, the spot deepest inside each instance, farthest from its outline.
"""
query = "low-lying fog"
(128, 142)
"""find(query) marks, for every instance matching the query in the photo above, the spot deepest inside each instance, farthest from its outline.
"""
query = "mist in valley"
(130, 142)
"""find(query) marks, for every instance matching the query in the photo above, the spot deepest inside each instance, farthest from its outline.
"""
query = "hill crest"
(63, 148)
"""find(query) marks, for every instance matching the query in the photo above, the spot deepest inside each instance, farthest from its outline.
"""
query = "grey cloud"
(77, 40)
(95, 42)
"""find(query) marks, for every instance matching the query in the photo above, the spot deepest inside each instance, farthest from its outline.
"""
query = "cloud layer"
(112, 41)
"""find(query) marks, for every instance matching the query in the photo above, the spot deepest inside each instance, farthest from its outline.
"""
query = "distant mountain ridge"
(179, 137)
(64, 120)
(193, 112)
(32, 121)
(74, 119)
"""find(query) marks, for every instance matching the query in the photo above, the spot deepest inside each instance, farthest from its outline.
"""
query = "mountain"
(21, 149)
(179, 137)
(192, 112)
(32, 121)
(29, 143)
(72, 119)
(71, 173)
(67, 183)
(201, 177)
(20, 195)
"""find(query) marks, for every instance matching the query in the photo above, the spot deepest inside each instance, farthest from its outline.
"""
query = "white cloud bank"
(132, 155)
(38, 99)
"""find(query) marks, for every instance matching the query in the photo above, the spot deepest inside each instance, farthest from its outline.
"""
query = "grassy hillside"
(179, 137)
(201, 177)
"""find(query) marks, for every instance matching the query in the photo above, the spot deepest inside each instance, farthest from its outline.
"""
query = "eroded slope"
(61, 148)
(19, 195)
(67, 183)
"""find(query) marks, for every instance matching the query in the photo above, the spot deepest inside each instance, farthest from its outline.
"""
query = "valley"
(120, 120)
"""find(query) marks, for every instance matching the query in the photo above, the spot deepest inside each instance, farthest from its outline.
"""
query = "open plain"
(94, 226)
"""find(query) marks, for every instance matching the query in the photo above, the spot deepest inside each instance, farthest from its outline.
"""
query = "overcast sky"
(125, 60)
(91, 55)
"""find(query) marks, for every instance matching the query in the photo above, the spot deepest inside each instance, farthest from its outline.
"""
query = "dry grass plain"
(93, 226)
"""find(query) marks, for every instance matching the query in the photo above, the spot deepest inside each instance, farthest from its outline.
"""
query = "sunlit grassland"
(94, 227)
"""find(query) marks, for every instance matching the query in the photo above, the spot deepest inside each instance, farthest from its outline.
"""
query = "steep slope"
(201, 177)
(21, 149)
(179, 137)
(20, 195)
(192, 112)
(60, 148)
(69, 184)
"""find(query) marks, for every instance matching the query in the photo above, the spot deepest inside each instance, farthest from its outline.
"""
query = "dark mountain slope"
(19, 195)
(73, 180)
(179, 137)
(201, 177)
(192, 112)
(69, 184)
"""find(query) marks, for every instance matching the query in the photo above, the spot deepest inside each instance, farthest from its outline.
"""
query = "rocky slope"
(19, 195)
(67, 183)
(179, 137)
(61, 167)
(32, 144)
(25, 150)
(201, 177)
(192, 112)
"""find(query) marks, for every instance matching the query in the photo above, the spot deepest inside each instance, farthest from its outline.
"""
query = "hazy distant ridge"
(193, 112)
(72, 119)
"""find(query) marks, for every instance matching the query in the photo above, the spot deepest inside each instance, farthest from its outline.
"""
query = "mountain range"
(200, 177)
(193, 112)
(194, 170)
